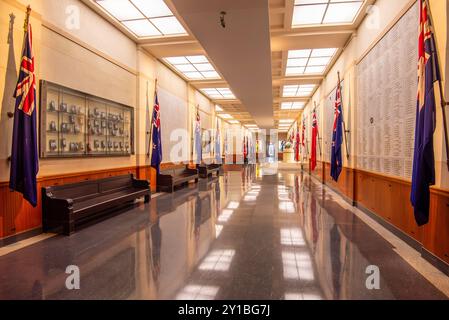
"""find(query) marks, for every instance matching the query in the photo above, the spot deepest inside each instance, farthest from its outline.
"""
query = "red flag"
(314, 141)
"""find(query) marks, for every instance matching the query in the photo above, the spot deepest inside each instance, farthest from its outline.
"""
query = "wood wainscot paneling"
(319, 171)
(345, 184)
(436, 233)
(388, 197)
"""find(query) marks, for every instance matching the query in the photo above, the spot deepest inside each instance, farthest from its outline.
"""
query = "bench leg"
(196, 180)
(68, 228)
(147, 198)
(172, 188)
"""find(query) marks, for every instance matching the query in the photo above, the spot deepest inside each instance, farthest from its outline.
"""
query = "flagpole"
(342, 118)
(443, 101)
(318, 132)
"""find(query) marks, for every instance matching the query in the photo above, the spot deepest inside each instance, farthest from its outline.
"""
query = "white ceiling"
(251, 53)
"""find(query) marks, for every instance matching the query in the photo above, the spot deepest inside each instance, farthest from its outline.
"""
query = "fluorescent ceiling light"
(286, 121)
(234, 122)
(322, 12)
(193, 67)
(309, 61)
(219, 93)
(144, 18)
(251, 125)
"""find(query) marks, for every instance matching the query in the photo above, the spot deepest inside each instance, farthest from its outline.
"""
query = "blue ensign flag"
(424, 159)
(24, 155)
(156, 156)
(337, 136)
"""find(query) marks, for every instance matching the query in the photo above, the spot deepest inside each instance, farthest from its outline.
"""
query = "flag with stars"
(337, 136)
(424, 158)
(156, 156)
(24, 155)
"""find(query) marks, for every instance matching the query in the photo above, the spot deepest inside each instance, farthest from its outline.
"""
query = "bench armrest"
(141, 183)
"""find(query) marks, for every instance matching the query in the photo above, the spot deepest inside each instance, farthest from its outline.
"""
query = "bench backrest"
(115, 184)
(91, 188)
(179, 171)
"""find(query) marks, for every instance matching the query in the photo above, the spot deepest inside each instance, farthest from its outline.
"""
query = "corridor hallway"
(256, 233)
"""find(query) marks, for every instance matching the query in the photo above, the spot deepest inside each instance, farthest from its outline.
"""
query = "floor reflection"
(250, 234)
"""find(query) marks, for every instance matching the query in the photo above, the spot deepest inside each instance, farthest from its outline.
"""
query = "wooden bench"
(66, 207)
(168, 179)
(208, 170)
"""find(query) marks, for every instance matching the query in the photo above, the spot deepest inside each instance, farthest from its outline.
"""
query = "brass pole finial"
(27, 18)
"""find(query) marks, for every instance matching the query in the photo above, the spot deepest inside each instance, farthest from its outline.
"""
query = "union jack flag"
(424, 158)
(26, 85)
(24, 155)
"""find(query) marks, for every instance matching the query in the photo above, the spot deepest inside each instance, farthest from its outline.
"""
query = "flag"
(424, 161)
(218, 159)
(303, 139)
(156, 156)
(337, 136)
(24, 154)
(314, 141)
(245, 149)
(198, 138)
(297, 144)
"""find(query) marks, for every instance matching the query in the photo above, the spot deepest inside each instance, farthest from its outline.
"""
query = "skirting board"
(20, 237)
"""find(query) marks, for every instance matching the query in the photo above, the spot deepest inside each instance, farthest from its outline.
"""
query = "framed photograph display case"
(76, 124)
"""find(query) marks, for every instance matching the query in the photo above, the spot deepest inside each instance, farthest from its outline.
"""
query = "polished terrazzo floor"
(258, 233)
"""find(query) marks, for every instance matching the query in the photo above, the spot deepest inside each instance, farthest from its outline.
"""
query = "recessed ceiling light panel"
(193, 67)
(323, 12)
(143, 18)
(219, 93)
(309, 61)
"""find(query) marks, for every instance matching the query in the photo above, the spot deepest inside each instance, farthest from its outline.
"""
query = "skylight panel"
(153, 8)
(194, 67)
(322, 12)
(310, 61)
(342, 12)
(153, 15)
(121, 9)
(141, 28)
(308, 14)
(292, 105)
(197, 59)
(168, 25)
(297, 91)
(219, 93)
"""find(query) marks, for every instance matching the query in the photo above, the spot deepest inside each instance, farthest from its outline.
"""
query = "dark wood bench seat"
(66, 207)
(168, 179)
(206, 171)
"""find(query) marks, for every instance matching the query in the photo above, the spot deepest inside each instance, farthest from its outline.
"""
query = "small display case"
(75, 124)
